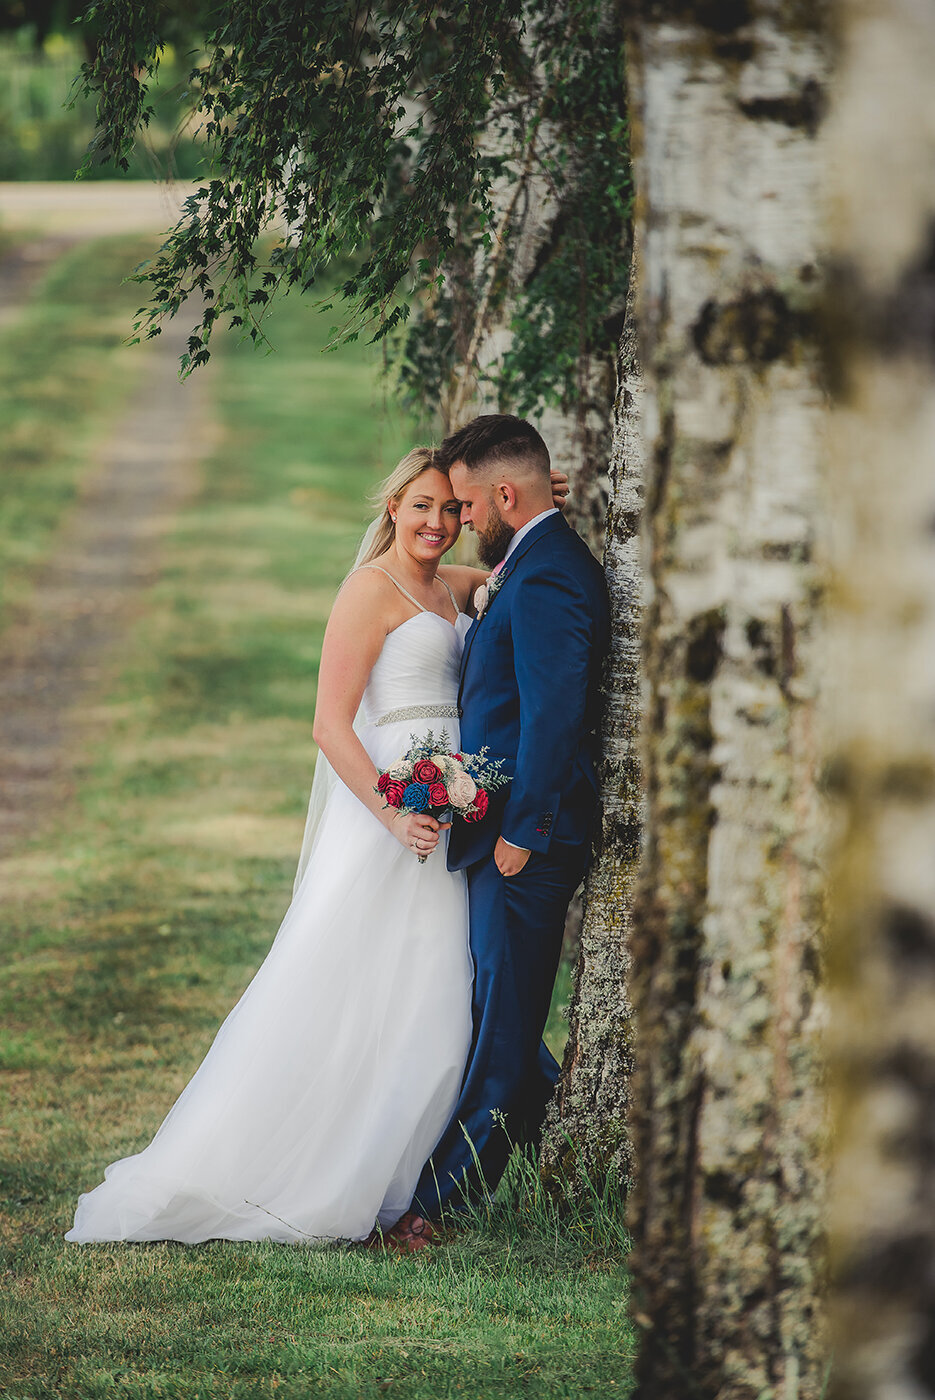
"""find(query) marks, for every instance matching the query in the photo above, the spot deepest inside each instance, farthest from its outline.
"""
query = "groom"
(530, 681)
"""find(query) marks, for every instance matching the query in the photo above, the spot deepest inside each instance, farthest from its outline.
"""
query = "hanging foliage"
(350, 131)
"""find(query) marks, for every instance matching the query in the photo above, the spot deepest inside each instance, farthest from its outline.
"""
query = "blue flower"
(416, 797)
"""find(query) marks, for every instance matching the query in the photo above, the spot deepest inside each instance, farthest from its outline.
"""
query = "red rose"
(438, 795)
(393, 793)
(425, 772)
(383, 782)
(481, 802)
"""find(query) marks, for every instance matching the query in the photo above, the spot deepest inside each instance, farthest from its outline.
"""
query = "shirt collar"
(525, 529)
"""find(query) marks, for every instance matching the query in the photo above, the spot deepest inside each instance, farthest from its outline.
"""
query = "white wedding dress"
(331, 1081)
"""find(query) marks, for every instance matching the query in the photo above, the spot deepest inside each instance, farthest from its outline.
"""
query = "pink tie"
(497, 568)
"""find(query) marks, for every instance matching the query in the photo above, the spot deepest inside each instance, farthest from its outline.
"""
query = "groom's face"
(481, 513)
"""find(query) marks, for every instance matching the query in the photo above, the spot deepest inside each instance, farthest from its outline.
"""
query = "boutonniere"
(486, 593)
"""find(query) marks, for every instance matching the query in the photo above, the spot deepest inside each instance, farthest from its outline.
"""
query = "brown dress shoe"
(411, 1233)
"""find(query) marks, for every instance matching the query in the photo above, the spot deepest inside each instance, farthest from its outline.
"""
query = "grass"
(62, 382)
(130, 928)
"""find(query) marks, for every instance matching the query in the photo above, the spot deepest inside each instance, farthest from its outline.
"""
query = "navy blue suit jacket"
(530, 691)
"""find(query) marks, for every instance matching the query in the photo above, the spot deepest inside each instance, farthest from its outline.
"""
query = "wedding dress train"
(331, 1081)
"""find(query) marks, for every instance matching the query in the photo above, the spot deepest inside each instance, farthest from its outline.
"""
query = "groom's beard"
(493, 543)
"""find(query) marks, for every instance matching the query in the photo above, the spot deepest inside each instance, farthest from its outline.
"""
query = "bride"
(331, 1081)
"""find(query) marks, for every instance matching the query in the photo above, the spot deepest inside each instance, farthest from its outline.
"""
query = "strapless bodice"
(419, 665)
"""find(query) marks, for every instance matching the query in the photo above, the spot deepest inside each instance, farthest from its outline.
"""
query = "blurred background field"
(46, 125)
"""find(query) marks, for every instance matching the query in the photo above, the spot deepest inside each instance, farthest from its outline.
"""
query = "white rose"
(401, 770)
(462, 790)
(481, 599)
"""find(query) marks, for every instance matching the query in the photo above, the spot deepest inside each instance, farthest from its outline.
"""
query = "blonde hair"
(382, 531)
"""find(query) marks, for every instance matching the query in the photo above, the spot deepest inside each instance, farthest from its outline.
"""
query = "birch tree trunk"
(593, 441)
(727, 102)
(532, 214)
(587, 1125)
(883, 768)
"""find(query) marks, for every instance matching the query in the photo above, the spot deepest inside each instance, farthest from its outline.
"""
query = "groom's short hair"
(496, 440)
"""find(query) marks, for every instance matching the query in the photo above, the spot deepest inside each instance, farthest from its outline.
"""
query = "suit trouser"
(516, 940)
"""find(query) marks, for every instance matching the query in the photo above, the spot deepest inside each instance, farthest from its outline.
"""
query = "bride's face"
(428, 516)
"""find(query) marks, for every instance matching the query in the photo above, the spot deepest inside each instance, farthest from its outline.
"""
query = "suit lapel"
(468, 643)
(547, 527)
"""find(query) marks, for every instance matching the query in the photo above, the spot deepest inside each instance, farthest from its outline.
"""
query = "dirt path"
(54, 658)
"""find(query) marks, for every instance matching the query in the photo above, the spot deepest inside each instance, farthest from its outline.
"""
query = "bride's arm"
(354, 638)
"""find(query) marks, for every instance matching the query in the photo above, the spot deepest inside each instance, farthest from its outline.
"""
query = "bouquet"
(430, 778)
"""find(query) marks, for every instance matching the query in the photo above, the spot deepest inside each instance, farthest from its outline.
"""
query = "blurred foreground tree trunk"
(727, 1207)
(883, 767)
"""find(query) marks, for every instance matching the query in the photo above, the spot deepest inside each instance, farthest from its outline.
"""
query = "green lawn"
(128, 933)
(62, 382)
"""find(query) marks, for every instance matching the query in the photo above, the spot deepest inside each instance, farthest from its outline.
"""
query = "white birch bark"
(727, 1120)
(587, 1125)
(883, 761)
(528, 209)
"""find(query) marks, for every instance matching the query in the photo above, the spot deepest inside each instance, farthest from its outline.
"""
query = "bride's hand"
(559, 489)
(414, 830)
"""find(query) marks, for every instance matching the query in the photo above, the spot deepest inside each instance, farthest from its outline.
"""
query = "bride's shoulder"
(366, 592)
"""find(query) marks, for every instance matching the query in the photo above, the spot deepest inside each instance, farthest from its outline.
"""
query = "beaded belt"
(421, 712)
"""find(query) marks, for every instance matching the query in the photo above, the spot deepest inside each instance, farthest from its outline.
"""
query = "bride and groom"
(388, 1051)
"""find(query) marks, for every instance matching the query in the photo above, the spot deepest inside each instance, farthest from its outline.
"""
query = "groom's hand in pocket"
(509, 859)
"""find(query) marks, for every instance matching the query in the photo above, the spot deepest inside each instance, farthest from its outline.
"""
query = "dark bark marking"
(787, 647)
(713, 457)
(913, 1066)
(908, 782)
(902, 782)
(717, 16)
(757, 328)
(901, 322)
(893, 1267)
(911, 937)
(662, 466)
(788, 551)
(804, 109)
(625, 524)
(628, 837)
(836, 777)
(705, 639)
(922, 1364)
(760, 644)
(722, 1188)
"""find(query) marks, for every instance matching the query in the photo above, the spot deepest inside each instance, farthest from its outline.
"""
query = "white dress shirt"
(524, 530)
